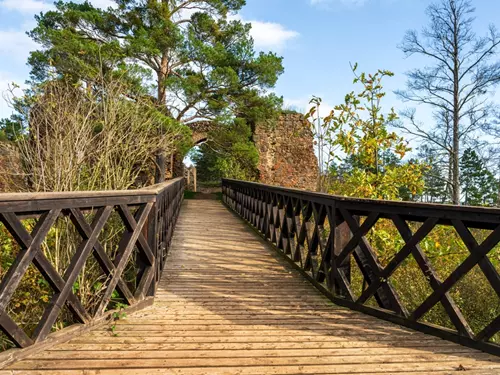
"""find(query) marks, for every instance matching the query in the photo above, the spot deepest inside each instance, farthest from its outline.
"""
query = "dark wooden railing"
(145, 220)
(327, 238)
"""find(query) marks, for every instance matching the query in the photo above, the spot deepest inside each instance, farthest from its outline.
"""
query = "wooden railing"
(331, 239)
(121, 236)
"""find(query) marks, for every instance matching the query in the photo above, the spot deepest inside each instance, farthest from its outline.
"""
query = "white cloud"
(269, 35)
(25, 6)
(30, 7)
(16, 44)
(103, 4)
(302, 105)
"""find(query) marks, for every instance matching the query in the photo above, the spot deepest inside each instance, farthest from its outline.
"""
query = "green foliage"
(479, 185)
(359, 128)
(11, 129)
(203, 65)
(229, 153)
(116, 316)
(435, 182)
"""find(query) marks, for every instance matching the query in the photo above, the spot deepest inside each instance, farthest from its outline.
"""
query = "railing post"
(152, 233)
(342, 235)
(195, 180)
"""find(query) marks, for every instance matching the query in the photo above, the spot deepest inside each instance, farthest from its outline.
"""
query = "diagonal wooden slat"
(13, 331)
(490, 330)
(485, 264)
(431, 275)
(30, 246)
(370, 221)
(470, 262)
(363, 244)
(410, 242)
(371, 269)
(100, 255)
(144, 252)
(47, 270)
(316, 244)
(131, 225)
(82, 253)
(124, 252)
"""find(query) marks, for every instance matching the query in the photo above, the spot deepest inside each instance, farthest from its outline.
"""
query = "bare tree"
(457, 82)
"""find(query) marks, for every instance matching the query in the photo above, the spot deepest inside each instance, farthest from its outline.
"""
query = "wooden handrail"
(327, 238)
(152, 190)
(145, 219)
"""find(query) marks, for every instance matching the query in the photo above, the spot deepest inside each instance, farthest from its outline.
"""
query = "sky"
(318, 39)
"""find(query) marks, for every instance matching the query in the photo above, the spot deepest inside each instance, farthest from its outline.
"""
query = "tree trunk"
(449, 181)
(162, 90)
(160, 168)
(161, 75)
(455, 162)
(456, 111)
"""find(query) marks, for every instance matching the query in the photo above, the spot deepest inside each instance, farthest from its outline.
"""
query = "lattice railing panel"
(71, 257)
(433, 268)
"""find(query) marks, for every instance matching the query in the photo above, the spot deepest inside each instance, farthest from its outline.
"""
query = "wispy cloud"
(269, 35)
(25, 6)
(104, 4)
(30, 7)
(303, 105)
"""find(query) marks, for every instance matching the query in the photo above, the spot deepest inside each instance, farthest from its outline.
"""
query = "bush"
(76, 138)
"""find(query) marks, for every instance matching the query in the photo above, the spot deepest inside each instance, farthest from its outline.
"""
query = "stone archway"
(200, 131)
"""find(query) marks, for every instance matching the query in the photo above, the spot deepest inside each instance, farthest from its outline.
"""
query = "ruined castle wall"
(286, 150)
(11, 174)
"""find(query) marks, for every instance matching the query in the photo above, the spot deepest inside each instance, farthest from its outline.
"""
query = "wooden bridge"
(227, 300)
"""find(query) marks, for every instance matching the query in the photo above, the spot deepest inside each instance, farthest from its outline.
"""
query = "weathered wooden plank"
(346, 347)
(422, 361)
(438, 369)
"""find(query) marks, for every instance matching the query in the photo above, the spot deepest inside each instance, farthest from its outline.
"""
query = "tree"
(478, 184)
(435, 181)
(203, 64)
(228, 153)
(358, 127)
(456, 83)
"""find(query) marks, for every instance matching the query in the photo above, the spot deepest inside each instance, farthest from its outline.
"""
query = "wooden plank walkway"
(228, 304)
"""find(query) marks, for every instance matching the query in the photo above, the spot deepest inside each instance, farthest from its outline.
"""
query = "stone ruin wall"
(11, 176)
(286, 151)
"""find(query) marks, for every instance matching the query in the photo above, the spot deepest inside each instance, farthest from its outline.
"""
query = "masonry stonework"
(11, 176)
(286, 152)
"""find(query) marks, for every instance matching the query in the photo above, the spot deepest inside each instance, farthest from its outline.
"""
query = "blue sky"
(317, 38)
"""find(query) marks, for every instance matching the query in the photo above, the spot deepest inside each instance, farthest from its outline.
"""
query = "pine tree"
(202, 63)
(435, 181)
(478, 184)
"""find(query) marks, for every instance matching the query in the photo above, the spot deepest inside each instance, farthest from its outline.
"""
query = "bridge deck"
(228, 305)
